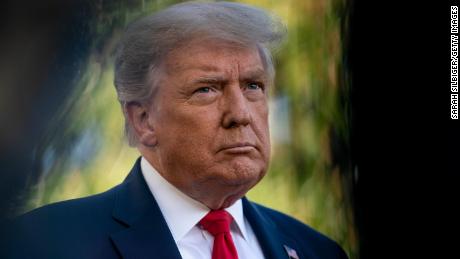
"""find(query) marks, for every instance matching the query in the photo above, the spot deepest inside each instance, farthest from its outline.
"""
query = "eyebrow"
(202, 67)
(256, 74)
(219, 80)
(209, 79)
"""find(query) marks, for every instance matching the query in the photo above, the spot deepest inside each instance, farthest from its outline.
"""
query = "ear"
(139, 117)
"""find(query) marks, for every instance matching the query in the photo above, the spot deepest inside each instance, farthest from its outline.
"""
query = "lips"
(243, 147)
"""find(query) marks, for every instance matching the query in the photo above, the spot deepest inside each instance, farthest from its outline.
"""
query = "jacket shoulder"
(80, 208)
(58, 228)
(312, 241)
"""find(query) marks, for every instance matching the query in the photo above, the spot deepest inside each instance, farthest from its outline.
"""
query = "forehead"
(214, 56)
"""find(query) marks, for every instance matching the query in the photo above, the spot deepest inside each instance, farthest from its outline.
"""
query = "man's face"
(210, 118)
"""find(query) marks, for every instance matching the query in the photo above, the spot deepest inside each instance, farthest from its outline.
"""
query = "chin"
(232, 181)
(243, 174)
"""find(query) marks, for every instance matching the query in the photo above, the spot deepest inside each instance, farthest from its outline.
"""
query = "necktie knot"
(217, 222)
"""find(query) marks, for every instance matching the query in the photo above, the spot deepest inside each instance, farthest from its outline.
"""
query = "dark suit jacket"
(126, 222)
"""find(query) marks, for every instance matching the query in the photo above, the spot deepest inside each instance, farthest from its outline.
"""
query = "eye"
(254, 86)
(203, 90)
(203, 95)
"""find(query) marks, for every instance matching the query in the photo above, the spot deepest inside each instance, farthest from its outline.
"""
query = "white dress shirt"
(182, 214)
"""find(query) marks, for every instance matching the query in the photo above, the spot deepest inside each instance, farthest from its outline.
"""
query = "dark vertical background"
(407, 158)
(43, 45)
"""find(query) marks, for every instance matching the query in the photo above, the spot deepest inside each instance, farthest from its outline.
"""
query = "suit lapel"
(146, 235)
(271, 240)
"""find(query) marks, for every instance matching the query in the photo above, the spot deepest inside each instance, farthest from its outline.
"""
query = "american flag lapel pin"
(291, 252)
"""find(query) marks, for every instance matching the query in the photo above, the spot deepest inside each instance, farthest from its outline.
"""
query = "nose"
(236, 108)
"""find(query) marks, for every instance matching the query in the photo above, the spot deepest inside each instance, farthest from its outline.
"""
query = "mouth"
(238, 148)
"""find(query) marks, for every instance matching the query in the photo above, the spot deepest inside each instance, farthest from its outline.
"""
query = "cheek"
(185, 149)
(261, 126)
(266, 144)
(187, 131)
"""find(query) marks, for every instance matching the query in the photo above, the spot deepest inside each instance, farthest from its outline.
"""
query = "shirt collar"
(174, 204)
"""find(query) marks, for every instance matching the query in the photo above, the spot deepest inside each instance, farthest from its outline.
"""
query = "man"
(193, 82)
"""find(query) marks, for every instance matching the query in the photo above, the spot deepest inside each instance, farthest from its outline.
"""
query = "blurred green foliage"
(85, 152)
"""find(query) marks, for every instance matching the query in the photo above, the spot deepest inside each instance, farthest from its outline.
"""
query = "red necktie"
(217, 222)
